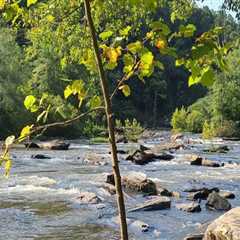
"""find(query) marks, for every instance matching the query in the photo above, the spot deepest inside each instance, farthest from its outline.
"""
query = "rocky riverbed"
(69, 194)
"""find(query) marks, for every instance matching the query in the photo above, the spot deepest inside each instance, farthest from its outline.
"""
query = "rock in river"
(216, 202)
(156, 203)
(138, 182)
(194, 237)
(143, 157)
(227, 194)
(89, 198)
(189, 207)
(226, 227)
(201, 193)
(200, 161)
(40, 156)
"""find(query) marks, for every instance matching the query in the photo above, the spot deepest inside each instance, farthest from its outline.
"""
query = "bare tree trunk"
(110, 121)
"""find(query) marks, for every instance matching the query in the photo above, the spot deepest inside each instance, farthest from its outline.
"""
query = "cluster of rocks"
(49, 145)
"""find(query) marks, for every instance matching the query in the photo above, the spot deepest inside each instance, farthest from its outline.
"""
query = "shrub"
(132, 130)
(194, 122)
(178, 120)
(225, 128)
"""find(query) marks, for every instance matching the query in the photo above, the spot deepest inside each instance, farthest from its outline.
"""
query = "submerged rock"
(176, 137)
(96, 159)
(216, 202)
(218, 149)
(89, 198)
(139, 226)
(226, 227)
(40, 156)
(168, 147)
(189, 207)
(156, 203)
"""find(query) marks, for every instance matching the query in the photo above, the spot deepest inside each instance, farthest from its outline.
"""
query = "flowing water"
(40, 199)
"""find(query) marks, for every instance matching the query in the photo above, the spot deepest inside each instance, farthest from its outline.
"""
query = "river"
(39, 201)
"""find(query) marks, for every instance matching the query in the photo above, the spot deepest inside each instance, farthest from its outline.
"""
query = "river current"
(39, 201)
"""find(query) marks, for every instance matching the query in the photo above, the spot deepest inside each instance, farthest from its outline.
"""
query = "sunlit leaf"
(2, 4)
(105, 35)
(67, 92)
(126, 90)
(9, 141)
(161, 44)
(95, 102)
(26, 131)
(134, 47)
(125, 31)
(29, 103)
(31, 2)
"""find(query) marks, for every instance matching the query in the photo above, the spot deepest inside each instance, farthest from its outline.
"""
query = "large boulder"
(138, 182)
(140, 157)
(216, 202)
(156, 203)
(226, 227)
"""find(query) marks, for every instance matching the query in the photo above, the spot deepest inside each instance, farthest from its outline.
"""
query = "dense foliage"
(218, 114)
(52, 54)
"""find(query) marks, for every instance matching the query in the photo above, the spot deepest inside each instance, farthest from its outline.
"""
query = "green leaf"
(2, 4)
(126, 90)
(25, 132)
(125, 31)
(159, 65)
(105, 35)
(134, 47)
(187, 31)
(31, 2)
(95, 102)
(29, 103)
(161, 27)
(207, 78)
(179, 62)
(68, 92)
(9, 141)
(147, 58)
